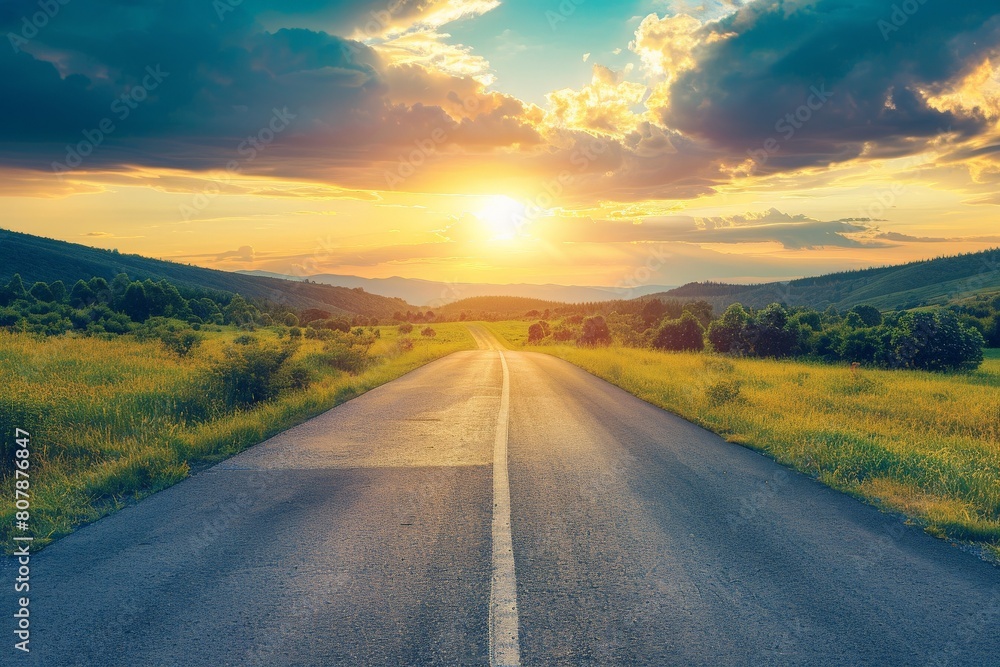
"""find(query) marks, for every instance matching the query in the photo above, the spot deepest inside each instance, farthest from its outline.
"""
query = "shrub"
(248, 374)
(180, 342)
(770, 334)
(726, 334)
(935, 342)
(563, 333)
(870, 315)
(344, 358)
(427, 331)
(538, 331)
(405, 328)
(404, 344)
(595, 332)
(723, 391)
(683, 334)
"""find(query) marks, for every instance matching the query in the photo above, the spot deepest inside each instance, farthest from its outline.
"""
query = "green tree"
(769, 333)
(240, 312)
(538, 331)
(652, 311)
(685, 333)
(102, 291)
(935, 341)
(41, 292)
(870, 315)
(15, 287)
(595, 332)
(134, 302)
(58, 289)
(81, 295)
(702, 310)
(727, 333)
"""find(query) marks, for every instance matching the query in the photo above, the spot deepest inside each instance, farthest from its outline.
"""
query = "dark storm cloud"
(85, 77)
(783, 55)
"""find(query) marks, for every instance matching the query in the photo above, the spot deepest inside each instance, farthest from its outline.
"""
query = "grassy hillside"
(923, 444)
(931, 282)
(48, 260)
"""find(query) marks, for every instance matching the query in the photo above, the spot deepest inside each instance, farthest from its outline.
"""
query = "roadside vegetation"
(935, 339)
(134, 400)
(926, 444)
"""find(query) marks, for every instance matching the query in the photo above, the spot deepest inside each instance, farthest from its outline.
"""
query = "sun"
(503, 217)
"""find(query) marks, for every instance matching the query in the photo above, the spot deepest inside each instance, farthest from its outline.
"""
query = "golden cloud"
(604, 106)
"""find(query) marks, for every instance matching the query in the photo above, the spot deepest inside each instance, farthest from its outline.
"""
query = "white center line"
(505, 649)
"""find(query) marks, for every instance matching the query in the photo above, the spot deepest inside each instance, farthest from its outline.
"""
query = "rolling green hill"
(932, 282)
(37, 258)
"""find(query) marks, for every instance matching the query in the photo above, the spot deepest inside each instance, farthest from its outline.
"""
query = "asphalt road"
(370, 536)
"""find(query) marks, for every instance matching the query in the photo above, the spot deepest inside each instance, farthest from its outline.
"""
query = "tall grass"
(923, 444)
(115, 420)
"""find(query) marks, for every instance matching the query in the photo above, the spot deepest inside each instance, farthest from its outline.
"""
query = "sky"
(546, 141)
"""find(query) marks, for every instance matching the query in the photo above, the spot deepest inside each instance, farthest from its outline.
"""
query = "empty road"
(504, 507)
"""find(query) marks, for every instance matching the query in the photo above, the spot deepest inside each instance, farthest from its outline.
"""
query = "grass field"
(923, 444)
(109, 423)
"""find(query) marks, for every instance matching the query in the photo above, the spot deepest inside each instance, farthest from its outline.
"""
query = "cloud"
(365, 86)
(350, 112)
(763, 62)
(605, 105)
(243, 254)
(906, 238)
(791, 232)
(364, 18)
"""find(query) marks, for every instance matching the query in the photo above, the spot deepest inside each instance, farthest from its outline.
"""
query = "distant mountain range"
(930, 282)
(433, 294)
(36, 258)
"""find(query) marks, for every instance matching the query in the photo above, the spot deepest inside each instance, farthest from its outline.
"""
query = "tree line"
(938, 339)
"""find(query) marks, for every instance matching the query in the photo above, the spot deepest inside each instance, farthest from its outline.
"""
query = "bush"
(563, 333)
(404, 344)
(723, 391)
(683, 334)
(935, 342)
(248, 373)
(180, 342)
(538, 331)
(870, 315)
(726, 334)
(595, 332)
(294, 376)
(427, 331)
(344, 358)
(405, 328)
